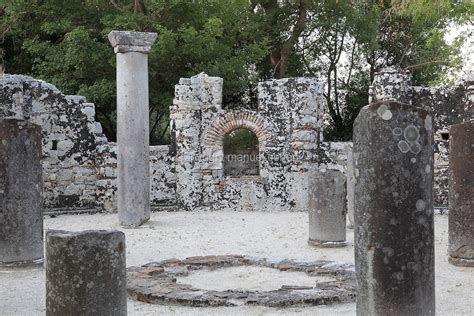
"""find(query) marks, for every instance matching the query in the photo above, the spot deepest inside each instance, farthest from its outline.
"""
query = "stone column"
(327, 209)
(133, 176)
(86, 273)
(350, 186)
(21, 213)
(461, 194)
(394, 239)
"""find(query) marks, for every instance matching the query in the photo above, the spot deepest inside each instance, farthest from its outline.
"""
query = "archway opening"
(241, 153)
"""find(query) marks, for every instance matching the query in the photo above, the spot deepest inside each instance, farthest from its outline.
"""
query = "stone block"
(85, 273)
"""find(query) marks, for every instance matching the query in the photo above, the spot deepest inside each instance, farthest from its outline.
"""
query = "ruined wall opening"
(54, 145)
(241, 149)
(444, 135)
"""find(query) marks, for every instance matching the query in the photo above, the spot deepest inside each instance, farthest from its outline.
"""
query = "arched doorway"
(241, 153)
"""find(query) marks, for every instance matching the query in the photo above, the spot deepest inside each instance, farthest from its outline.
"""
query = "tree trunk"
(139, 6)
(286, 49)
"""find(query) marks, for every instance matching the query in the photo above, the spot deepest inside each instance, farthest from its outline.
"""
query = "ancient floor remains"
(156, 283)
(183, 234)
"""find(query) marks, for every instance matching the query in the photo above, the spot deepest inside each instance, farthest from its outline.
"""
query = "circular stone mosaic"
(156, 283)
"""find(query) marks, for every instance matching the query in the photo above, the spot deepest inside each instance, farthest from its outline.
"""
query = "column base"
(461, 262)
(131, 226)
(22, 265)
(327, 244)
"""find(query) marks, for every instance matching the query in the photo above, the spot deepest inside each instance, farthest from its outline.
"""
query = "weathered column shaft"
(327, 209)
(21, 213)
(133, 191)
(461, 194)
(394, 228)
(133, 154)
(350, 187)
(86, 273)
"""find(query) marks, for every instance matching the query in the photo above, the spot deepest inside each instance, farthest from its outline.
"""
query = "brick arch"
(230, 121)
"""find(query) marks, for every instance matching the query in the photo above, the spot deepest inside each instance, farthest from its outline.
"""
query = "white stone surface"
(184, 234)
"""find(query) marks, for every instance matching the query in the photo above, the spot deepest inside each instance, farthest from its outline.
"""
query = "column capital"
(125, 42)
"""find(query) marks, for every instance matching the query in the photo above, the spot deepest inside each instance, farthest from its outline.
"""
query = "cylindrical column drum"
(86, 273)
(327, 209)
(21, 213)
(394, 228)
(461, 194)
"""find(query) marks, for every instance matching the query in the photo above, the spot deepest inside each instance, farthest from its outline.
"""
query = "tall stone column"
(21, 213)
(85, 273)
(327, 209)
(133, 177)
(394, 228)
(461, 194)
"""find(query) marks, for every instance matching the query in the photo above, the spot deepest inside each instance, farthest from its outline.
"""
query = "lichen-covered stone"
(85, 273)
(125, 41)
(449, 105)
(21, 210)
(287, 125)
(461, 194)
(70, 136)
(394, 228)
(80, 166)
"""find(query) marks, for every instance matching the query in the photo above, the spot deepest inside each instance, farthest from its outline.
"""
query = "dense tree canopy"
(244, 41)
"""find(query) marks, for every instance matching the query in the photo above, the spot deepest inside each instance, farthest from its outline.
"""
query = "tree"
(347, 41)
(411, 36)
(65, 42)
(343, 42)
(336, 31)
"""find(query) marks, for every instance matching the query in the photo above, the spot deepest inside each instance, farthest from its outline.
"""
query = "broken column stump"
(21, 213)
(85, 273)
(327, 209)
(394, 228)
(461, 195)
(133, 143)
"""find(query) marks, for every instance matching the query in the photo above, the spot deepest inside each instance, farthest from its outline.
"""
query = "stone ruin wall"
(287, 124)
(71, 138)
(450, 105)
(79, 163)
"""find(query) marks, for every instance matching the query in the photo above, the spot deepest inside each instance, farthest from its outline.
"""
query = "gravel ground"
(271, 235)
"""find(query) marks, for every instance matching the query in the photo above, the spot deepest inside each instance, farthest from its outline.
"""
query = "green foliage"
(411, 36)
(65, 42)
(243, 41)
(240, 138)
